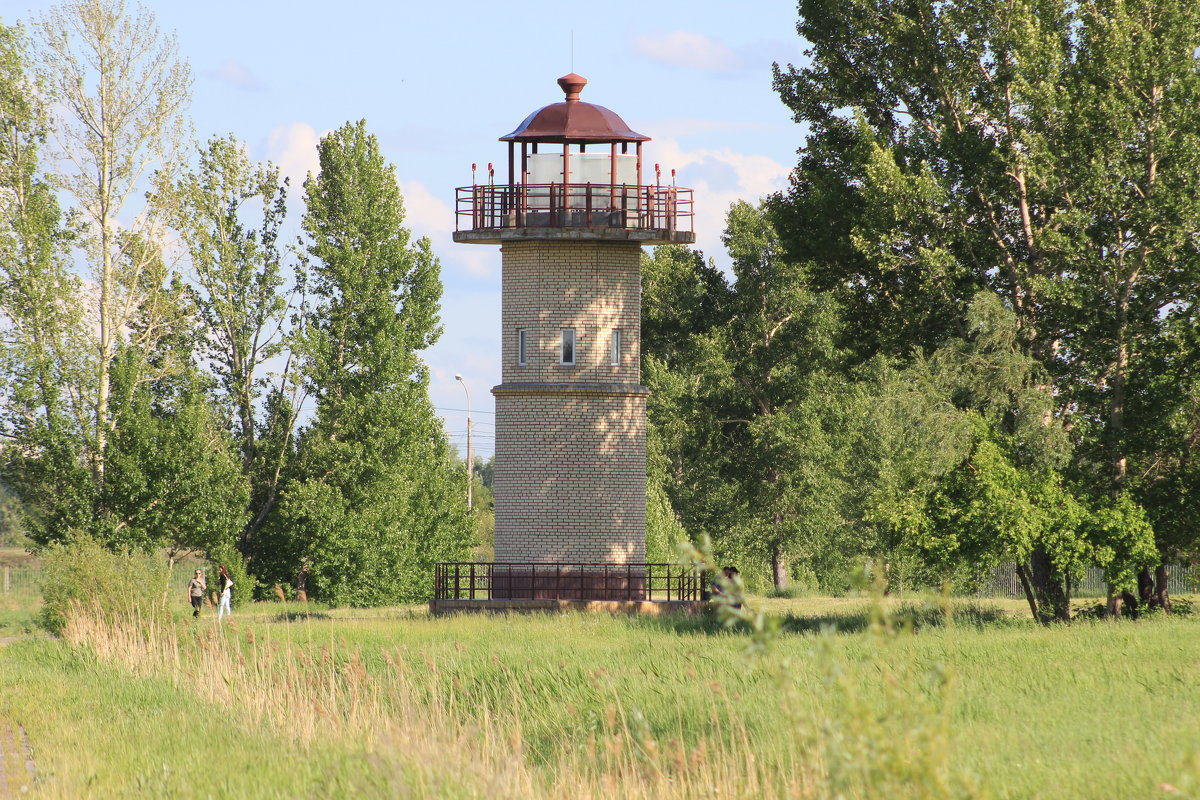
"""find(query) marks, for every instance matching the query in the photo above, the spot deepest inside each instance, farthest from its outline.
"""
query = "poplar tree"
(42, 354)
(121, 90)
(374, 498)
(228, 212)
(114, 430)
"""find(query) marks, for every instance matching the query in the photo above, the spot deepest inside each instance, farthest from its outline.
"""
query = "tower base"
(594, 606)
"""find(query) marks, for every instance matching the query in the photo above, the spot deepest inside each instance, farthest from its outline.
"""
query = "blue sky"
(439, 82)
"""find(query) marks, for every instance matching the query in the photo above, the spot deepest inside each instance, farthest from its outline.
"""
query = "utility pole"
(470, 452)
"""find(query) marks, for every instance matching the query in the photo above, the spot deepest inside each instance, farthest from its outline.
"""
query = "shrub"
(120, 585)
(245, 586)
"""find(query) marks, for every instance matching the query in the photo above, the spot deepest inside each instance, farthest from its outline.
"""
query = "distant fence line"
(26, 578)
(22, 578)
(1002, 581)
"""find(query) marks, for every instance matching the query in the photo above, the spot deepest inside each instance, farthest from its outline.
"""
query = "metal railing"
(574, 205)
(467, 580)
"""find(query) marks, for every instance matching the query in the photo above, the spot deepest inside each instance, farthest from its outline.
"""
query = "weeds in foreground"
(473, 741)
(890, 739)
(463, 743)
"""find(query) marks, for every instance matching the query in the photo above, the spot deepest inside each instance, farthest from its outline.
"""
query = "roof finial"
(572, 84)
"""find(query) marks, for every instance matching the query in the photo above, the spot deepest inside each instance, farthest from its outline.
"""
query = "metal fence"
(1002, 581)
(26, 578)
(567, 581)
(20, 579)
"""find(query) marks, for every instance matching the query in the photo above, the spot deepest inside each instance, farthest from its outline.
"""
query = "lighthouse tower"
(571, 220)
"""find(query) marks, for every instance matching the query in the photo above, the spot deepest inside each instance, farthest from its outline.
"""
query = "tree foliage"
(228, 213)
(122, 91)
(374, 499)
(1041, 153)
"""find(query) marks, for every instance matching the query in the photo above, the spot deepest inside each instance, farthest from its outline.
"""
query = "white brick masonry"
(571, 440)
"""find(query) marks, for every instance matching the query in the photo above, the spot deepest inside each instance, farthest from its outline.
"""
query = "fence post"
(7, 579)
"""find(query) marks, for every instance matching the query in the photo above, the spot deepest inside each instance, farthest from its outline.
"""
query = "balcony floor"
(648, 236)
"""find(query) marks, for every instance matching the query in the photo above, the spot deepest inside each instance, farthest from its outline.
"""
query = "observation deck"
(493, 214)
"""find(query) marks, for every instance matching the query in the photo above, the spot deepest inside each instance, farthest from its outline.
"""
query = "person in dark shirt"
(196, 589)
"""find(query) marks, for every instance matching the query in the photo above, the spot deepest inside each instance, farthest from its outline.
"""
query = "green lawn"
(392, 702)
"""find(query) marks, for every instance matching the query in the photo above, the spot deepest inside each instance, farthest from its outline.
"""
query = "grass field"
(393, 703)
(19, 593)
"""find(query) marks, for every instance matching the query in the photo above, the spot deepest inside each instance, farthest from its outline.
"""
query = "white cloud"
(237, 74)
(293, 148)
(686, 49)
(428, 215)
(719, 178)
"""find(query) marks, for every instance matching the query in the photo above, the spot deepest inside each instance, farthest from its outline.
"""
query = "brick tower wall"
(571, 440)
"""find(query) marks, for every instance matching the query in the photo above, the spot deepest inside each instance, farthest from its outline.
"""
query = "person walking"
(223, 606)
(196, 589)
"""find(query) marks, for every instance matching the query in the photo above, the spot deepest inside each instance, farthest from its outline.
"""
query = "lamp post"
(470, 453)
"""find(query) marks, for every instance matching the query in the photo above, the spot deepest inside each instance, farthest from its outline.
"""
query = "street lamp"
(470, 453)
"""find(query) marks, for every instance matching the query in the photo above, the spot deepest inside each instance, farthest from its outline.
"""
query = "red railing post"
(524, 200)
(489, 206)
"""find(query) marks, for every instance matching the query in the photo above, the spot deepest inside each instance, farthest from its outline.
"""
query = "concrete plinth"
(595, 606)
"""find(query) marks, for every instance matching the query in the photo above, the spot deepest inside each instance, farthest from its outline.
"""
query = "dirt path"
(17, 770)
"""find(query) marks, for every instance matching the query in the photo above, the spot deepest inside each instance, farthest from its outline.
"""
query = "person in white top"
(223, 607)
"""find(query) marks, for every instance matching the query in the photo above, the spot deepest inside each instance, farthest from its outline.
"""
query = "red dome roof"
(573, 121)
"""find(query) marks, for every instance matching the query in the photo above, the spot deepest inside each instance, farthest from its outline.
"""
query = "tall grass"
(468, 741)
(394, 703)
(495, 736)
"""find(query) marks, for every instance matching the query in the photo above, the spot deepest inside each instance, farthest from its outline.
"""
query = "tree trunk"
(246, 420)
(1131, 604)
(1162, 594)
(779, 569)
(1029, 596)
(1112, 609)
(104, 359)
(302, 583)
(1048, 587)
(1145, 587)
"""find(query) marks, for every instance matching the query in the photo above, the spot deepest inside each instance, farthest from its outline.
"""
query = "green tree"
(174, 480)
(1166, 404)
(228, 212)
(745, 415)
(42, 346)
(1044, 152)
(683, 300)
(375, 498)
(775, 357)
(121, 91)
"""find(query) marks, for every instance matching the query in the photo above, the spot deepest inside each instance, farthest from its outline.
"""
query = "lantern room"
(575, 170)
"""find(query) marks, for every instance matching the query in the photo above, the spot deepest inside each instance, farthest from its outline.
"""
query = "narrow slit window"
(616, 347)
(568, 346)
(522, 358)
